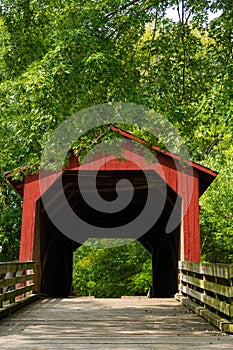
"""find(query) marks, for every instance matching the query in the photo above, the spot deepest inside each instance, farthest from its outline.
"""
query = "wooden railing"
(16, 285)
(207, 289)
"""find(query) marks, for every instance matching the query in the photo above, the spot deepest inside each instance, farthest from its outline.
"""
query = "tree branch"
(211, 146)
(122, 8)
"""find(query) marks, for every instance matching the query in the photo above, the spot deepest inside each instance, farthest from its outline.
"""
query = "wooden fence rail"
(207, 289)
(16, 285)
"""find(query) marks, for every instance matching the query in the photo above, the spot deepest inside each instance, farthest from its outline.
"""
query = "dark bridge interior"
(54, 250)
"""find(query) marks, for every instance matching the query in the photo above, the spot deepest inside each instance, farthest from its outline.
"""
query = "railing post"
(16, 283)
(210, 288)
(2, 277)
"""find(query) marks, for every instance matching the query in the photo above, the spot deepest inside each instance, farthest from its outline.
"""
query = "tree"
(217, 206)
(10, 222)
(112, 272)
(59, 57)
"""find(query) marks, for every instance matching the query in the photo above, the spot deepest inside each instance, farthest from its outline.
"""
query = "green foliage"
(112, 272)
(10, 223)
(142, 281)
(58, 57)
(217, 209)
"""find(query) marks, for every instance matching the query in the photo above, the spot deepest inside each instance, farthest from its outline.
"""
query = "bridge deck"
(127, 323)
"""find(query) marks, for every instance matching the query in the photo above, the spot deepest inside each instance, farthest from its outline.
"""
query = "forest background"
(58, 57)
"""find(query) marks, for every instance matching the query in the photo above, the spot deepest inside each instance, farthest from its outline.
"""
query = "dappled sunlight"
(119, 323)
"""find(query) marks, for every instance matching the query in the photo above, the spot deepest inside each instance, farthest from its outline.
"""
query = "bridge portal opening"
(53, 251)
(111, 268)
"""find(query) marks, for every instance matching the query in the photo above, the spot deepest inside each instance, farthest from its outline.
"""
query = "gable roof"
(205, 175)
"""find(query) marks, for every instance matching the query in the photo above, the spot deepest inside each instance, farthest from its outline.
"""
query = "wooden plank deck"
(127, 323)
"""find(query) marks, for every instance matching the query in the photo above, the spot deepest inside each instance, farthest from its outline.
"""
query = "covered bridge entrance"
(178, 186)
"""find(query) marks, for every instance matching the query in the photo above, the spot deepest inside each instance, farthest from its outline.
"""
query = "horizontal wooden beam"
(16, 266)
(16, 283)
(15, 293)
(210, 286)
(4, 311)
(222, 323)
(216, 304)
(216, 270)
(220, 289)
(6, 282)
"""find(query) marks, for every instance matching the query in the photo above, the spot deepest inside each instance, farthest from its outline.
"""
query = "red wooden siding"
(168, 168)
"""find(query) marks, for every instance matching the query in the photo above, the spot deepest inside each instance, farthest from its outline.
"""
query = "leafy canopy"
(59, 57)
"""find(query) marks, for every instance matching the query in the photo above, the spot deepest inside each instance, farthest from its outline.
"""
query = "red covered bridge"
(52, 251)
